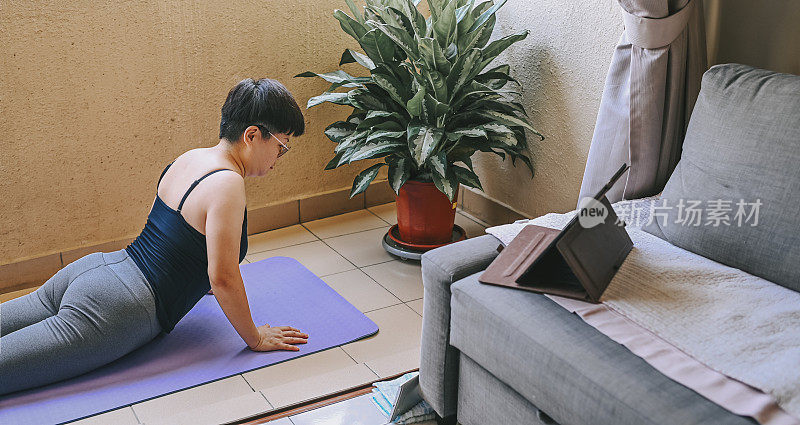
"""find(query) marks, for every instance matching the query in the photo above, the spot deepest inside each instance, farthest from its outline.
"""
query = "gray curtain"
(649, 94)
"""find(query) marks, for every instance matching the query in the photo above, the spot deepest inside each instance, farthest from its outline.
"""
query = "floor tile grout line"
(340, 254)
(282, 228)
(309, 231)
(382, 262)
(354, 264)
(281, 247)
(370, 369)
(271, 407)
(287, 246)
(415, 311)
(391, 305)
(379, 284)
(376, 215)
(343, 271)
(305, 243)
(323, 238)
(337, 252)
(353, 233)
(334, 274)
(348, 354)
(303, 223)
(247, 382)
(135, 415)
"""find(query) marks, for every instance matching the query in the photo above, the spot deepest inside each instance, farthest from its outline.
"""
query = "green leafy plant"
(428, 102)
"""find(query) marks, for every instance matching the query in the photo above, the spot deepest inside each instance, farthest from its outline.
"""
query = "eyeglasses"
(283, 149)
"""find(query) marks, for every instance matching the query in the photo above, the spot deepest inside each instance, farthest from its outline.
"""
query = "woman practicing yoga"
(106, 304)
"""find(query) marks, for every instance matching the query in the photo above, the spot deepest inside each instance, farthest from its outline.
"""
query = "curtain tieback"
(652, 33)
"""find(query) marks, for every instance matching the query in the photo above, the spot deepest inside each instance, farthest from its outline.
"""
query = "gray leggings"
(93, 311)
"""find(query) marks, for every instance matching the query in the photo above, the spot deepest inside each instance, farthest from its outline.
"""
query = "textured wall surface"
(97, 97)
(761, 34)
(562, 66)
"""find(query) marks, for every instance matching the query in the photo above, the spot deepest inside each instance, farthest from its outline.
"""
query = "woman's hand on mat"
(279, 338)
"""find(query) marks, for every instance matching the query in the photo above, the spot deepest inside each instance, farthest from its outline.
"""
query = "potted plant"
(426, 106)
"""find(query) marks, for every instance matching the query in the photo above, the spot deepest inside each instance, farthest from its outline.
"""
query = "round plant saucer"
(408, 251)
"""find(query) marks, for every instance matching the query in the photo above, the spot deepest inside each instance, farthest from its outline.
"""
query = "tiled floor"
(346, 252)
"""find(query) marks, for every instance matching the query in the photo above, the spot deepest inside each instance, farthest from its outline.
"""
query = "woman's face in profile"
(269, 149)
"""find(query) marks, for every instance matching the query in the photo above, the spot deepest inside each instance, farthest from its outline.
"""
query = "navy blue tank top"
(173, 258)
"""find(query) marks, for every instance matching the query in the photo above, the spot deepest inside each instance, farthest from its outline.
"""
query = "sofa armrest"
(442, 267)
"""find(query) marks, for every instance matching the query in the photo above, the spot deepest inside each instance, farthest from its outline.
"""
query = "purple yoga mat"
(202, 348)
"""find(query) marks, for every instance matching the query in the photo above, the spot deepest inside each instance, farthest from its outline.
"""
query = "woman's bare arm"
(223, 237)
(233, 301)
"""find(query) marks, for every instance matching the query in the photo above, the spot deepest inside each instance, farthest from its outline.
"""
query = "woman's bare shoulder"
(230, 185)
(192, 155)
(201, 161)
(225, 187)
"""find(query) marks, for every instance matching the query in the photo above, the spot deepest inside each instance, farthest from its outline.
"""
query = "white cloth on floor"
(385, 394)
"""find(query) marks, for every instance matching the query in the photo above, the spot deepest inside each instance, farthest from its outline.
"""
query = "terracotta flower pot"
(424, 214)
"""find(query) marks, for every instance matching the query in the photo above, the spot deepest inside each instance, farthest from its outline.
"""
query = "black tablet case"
(576, 262)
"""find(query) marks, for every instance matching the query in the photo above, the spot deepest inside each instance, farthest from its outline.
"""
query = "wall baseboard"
(35, 271)
(487, 209)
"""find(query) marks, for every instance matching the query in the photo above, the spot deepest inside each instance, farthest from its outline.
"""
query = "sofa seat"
(563, 366)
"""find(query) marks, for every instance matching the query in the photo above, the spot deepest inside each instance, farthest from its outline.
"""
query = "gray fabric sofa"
(500, 356)
(493, 355)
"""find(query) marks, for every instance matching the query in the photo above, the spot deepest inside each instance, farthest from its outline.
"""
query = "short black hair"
(265, 102)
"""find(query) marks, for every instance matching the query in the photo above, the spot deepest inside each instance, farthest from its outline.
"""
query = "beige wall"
(562, 66)
(97, 97)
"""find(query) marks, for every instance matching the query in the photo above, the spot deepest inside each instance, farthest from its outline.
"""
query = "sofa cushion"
(565, 367)
(740, 161)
